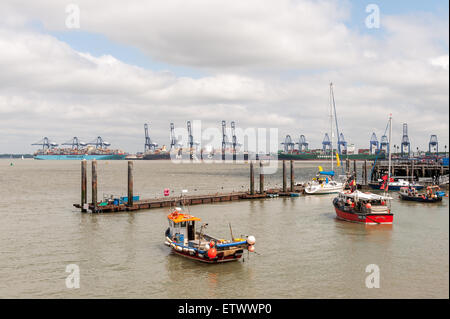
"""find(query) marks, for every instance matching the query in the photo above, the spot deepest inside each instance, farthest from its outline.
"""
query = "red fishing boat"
(184, 240)
(365, 208)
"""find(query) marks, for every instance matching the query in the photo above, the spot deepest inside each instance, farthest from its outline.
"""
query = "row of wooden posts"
(261, 178)
(94, 184)
(252, 180)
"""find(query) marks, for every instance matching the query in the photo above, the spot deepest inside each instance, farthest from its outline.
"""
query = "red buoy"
(212, 252)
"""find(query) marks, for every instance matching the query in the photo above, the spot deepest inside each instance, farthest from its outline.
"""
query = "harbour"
(122, 254)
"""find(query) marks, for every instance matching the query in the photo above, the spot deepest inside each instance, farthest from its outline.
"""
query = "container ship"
(97, 150)
(321, 156)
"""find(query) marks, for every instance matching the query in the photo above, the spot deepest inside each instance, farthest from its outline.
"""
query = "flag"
(338, 161)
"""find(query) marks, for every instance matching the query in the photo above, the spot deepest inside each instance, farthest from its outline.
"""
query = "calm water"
(304, 252)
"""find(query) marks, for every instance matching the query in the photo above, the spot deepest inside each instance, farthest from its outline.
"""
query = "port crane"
(373, 144)
(99, 143)
(288, 144)
(191, 141)
(405, 145)
(342, 144)
(225, 141)
(433, 144)
(384, 144)
(46, 143)
(174, 143)
(75, 143)
(233, 137)
(326, 144)
(302, 144)
(149, 145)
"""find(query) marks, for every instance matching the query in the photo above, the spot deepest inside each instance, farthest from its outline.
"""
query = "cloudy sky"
(259, 63)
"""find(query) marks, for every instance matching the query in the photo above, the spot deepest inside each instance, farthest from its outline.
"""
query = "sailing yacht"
(323, 183)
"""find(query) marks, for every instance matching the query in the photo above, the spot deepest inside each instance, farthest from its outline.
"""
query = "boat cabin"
(365, 203)
(182, 227)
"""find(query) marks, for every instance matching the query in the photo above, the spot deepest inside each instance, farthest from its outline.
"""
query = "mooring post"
(130, 183)
(261, 178)
(347, 166)
(365, 172)
(94, 185)
(83, 184)
(252, 180)
(284, 176)
(292, 175)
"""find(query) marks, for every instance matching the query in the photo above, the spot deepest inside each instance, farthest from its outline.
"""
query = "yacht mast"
(389, 149)
(331, 123)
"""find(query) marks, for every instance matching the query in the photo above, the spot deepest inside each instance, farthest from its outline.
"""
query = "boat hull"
(367, 219)
(394, 187)
(219, 259)
(323, 191)
(81, 157)
(420, 199)
(321, 157)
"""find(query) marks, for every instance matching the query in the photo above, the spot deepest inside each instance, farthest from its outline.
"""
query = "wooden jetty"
(134, 205)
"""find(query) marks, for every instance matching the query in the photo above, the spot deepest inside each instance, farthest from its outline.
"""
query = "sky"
(262, 64)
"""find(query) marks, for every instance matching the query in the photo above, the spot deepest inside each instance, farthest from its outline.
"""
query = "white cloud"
(47, 88)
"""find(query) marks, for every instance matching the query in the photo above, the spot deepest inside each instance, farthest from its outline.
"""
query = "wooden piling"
(284, 177)
(354, 168)
(130, 183)
(252, 180)
(292, 175)
(94, 185)
(261, 178)
(347, 166)
(365, 172)
(83, 184)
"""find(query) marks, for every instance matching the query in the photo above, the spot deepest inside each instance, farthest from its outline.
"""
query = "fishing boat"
(366, 208)
(184, 240)
(432, 195)
(324, 184)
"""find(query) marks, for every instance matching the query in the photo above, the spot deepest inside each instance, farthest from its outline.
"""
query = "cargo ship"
(97, 150)
(318, 156)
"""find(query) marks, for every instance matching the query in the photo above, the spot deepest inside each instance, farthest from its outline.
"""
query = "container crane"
(326, 143)
(149, 145)
(433, 144)
(384, 144)
(46, 143)
(234, 138)
(302, 144)
(405, 145)
(288, 144)
(99, 143)
(373, 144)
(342, 144)
(75, 143)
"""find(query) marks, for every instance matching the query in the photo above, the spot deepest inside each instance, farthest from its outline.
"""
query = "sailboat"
(366, 208)
(323, 183)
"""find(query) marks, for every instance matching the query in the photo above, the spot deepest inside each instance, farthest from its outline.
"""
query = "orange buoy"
(212, 253)
(251, 248)
(369, 205)
(211, 243)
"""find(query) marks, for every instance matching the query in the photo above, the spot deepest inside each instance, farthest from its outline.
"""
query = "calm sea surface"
(303, 251)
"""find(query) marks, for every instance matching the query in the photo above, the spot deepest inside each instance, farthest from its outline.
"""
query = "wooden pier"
(134, 205)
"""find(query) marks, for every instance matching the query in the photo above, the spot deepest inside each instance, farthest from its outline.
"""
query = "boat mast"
(389, 149)
(331, 122)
